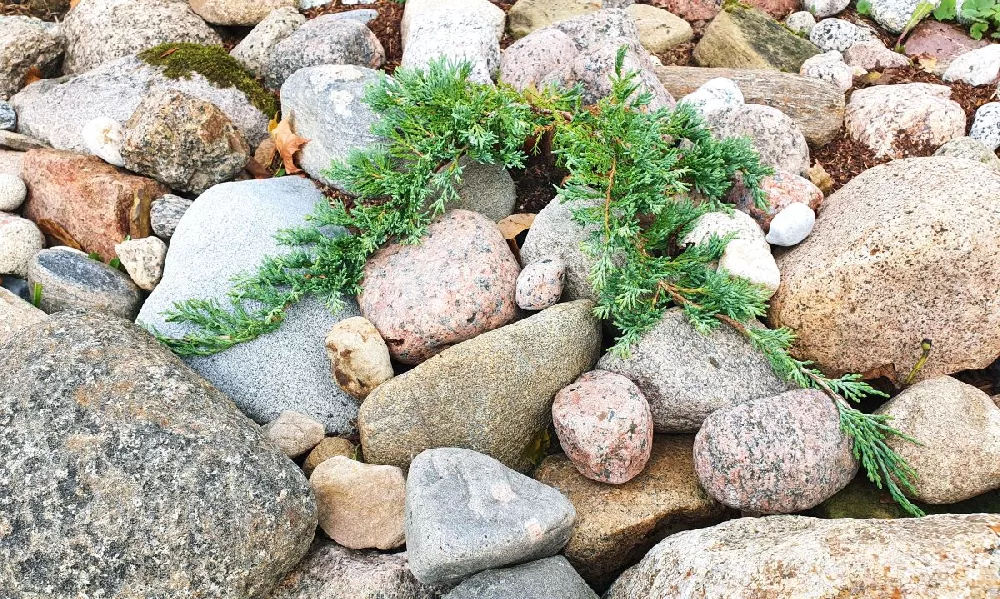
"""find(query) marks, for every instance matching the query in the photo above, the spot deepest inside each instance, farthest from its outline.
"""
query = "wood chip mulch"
(47, 10)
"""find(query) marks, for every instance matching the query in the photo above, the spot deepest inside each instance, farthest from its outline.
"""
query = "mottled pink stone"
(605, 426)
(527, 61)
(782, 189)
(541, 283)
(456, 283)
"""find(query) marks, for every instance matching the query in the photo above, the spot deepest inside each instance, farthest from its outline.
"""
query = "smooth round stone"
(20, 240)
(361, 506)
(715, 94)
(540, 284)
(528, 60)
(12, 192)
(791, 225)
(294, 433)
(834, 34)
(359, 357)
(70, 279)
(825, 8)
(329, 447)
(103, 138)
(605, 426)
(801, 23)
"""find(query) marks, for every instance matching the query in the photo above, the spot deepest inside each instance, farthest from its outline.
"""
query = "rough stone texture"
(20, 143)
(235, 223)
(253, 50)
(895, 14)
(862, 499)
(12, 192)
(329, 447)
(721, 224)
(776, 137)
(8, 118)
(540, 284)
(324, 104)
(796, 457)
(888, 118)
(103, 138)
(466, 512)
(800, 23)
(10, 161)
(468, 30)
(16, 314)
(86, 199)
(165, 213)
(554, 233)
(690, 10)
(70, 279)
(830, 558)
(457, 283)
(183, 142)
(294, 433)
(596, 29)
(330, 571)
(492, 393)
(238, 12)
(55, 111)
(527, 61)
(941, 41)
(604, 425)
(142, 455)
(99, 31)
(485, 188)
(782, 189)
(973, 149)
(359, 357)
(866, 286)
(986, 126)
(327, 39)
(749, 39)
(617, 524)
(26, 42)
(958, 427)
(830, 66)
(659, 30)
(527, 16)
(20, 240)
(714, 94)
(549, 578)
(143, 260)
(825, 8)
(360, 506)
(834, 34)
(685, 376)
(870, 55)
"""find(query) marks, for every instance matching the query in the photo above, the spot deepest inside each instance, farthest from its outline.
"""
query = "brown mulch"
(48, 10)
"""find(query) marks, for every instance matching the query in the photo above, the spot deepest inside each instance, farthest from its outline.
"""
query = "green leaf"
(977, 30)
(946, 11)
(864, 7)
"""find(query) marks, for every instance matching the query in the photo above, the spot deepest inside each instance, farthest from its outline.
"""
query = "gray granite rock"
(325, 105)
(549, 578)
(362, 15)
(252, 52)
(8, 118)
(895, 14)
(591, 30)
(165, 213)
(26, 42)
(100, 31)
(466, 512)
(71, 279)
(327, 39)
(834, 34)
(775, 136)
(973, 149)
(485, 188)
(686, 376)
(123, 472)
(228, 231)
(554, 233)
(16, 314)
(55, 111)
(467, 30)
(986, 126)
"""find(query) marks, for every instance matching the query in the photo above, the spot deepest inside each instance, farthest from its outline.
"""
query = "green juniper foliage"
(639, 178)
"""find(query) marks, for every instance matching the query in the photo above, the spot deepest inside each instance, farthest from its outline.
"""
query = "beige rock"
(777, 138)
(329, 447)
(361, 506)
(747, 38)
(143, 260)
(616, 524)
(659, 30)
(15, 314)
(294, 433)
(528, 15)
(887, 118)
(958, 427)
(358, 356)
(906, 251)
(237, 12)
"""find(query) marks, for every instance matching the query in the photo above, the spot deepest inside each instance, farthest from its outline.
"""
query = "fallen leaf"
(34, 74)
(55, 231)
(287, 144)
(514, 224)
(73, 3)
(168, 52)
(254, 168)
(927, 63)
(820, 178)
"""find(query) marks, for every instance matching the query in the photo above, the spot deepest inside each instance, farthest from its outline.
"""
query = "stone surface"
(103, 138)
(26, 42)
(604, 425)
(895, 14)
(359, 357)
(16, 314)
(690, 10)
(20, 143)
(686, 376)
(834, 34)
(958, 427)
(801, 23)
(554, 233)
(941, 41)
(457, 283)
(527, 16)
(294, 433)
(20, 240)
(330, 571)
(862, 499)
(485, 188)
(329, 447)
(326, 39)
(714, 94)
(143, 260)
(751, 261)
(866, 286)
(10, 161)
(184, 142)
(360, 506)
(825, 8)
(776, 137)
(592, 30)
(830, 66)
(746, 38)
(540, 284)
(466, 512)
(8, 118)
(99, 31)
(551, 578)
(617, 524)
(889, 118)
(457, 30)
(165, 213)
(782, 189)
(143, 455)
(973, 149)
(831, 558)
(55, 111)
(986, 126)
(70, 279)
(325, 105)
(659, 30)
(253, 50)
(871, 55)
(527, 61)
(82, 197)
(790, 226)
(12, 192)
(237, 12)
(235, 223)
(492, 393)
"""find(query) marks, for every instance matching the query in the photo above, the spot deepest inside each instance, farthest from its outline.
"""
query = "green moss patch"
(180, 60)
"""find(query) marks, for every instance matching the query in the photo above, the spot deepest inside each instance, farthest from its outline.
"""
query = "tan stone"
(746, 38)
(294, 433)
(329, 447)
(237, 12)
(360, 506)
(528, 15)
(616, 524)
(890, 119)
(359, 357)
(659, 30)
(15, 314)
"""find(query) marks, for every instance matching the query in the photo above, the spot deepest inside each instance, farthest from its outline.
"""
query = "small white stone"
(12, 192)
(791, 225)
(715, 94)
(20, 240)
(103, 138)
(976, 67)
(359, 357)
(835, 34)
(986, 126)
(830, 66)
(800, 23)
(143, 260)
(825, 8)
(750, 261)
(721, 224)
(294, 433)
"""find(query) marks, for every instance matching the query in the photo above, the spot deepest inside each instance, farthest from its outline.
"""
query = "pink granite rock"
(774, 455)
(942, 42)
(456, 283)
(691, 10)
(531, 58)
(783, 189)
(888, 118)
(874, 55)
(605, 426)
(541, 283)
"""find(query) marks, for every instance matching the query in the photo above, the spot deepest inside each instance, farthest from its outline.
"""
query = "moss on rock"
(180, 60)
(861, 499)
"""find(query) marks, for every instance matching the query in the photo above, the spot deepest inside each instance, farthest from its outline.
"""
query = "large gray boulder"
(780, 556)
(55, 111)
(466, 512)
(549, 578)
(468, 30)
(228, 231)
(125, 474)
(26, 42)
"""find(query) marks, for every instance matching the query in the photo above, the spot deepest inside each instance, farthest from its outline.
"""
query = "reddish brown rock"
(782, 188)
(691, 10)
(87, 200)
(941, 41)
(458, 282)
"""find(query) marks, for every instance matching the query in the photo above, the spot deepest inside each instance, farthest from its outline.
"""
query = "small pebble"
(166, 213)
(801, 23)
(20, 240)
(8, 118)
(747, 260)
(986, 126)
(793, 224)
(830, 66)
(294, 433)
(874, 55)
(360, 506)
(103, 138)
(12, 192)
(540, 284)
(825, 8)
(714, 94)
(327, 448)
(834, 34)
(143, 260)
(359, 357)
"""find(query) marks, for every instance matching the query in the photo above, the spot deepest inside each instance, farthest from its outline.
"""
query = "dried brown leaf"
(287, 143)
(515, 224)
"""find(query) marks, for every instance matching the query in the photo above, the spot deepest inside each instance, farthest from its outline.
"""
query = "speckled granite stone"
(541, 283)
(71, 279)
(549, 578)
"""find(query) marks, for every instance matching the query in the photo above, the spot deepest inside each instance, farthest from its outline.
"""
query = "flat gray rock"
(328, 39)
(549, 578)
(124, 473)
(466, 512)
(71, 279)
(8, 118)
(228, 231)
(253, 50)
